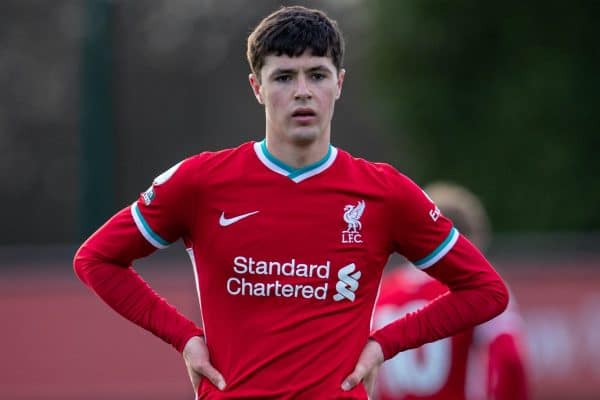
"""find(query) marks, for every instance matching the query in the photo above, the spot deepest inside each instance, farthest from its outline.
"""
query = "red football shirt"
(287, 262)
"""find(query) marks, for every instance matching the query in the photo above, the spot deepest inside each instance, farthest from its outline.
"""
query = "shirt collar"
(295, 174)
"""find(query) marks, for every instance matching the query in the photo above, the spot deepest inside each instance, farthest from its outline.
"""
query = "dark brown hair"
(291, 31)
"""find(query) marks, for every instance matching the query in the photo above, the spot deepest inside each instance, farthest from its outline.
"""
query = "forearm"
(103, 263)
(476, 295)
(128, 294)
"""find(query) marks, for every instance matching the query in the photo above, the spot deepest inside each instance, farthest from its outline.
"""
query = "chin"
(304, 138)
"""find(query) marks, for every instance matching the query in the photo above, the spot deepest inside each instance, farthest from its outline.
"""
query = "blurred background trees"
(100, 96)
(501, 97)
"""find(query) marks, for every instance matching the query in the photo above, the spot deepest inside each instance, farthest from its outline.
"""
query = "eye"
(283, 78)
(318, 76)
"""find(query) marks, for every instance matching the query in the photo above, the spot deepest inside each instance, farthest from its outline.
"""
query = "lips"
(303, 112)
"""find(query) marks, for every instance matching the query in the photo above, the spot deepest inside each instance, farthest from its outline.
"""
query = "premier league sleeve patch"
(149, 194)
(162, 211)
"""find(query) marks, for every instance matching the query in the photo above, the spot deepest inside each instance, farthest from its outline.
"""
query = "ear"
(255, 85)
(340, 82)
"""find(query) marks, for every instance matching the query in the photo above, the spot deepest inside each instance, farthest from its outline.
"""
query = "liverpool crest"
(352, 215)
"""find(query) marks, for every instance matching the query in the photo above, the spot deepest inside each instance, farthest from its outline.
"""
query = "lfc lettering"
(351, 237)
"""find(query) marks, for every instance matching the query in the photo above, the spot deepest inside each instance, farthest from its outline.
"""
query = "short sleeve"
(165, 211)
(419, 230)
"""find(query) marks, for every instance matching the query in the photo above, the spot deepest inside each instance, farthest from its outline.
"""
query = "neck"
(298, 154)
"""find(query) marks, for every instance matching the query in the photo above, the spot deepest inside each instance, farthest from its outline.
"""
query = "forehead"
(305, 61)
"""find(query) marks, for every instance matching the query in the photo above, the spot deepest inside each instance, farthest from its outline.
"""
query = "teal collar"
(295, 174)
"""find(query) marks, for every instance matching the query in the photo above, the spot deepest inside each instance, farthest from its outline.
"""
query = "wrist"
(188, 336)
(376, 346)
(381, 340)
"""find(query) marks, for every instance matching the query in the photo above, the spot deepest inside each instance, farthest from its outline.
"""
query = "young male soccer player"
(288, 237)
(485, 362)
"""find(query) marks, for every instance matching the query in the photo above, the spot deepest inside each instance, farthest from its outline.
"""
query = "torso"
(289, 262)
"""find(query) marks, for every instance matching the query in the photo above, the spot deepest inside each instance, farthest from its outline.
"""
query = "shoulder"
(194, 171)
(206, 162)
(207, 158)
(377, 172)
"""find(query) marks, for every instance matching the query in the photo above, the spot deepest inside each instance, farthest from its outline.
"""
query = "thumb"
(196, 356)
(370, 358)
(214, 376)
(354, 378)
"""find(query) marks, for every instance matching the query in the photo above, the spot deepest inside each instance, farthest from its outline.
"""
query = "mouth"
(303, 115)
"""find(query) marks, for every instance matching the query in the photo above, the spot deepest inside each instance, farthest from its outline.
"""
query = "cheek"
(331, 98)
(275, 103)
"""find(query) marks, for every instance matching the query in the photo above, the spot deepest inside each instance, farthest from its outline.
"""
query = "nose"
(302, 89)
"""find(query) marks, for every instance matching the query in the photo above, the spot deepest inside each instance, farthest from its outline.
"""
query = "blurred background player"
(486, 362)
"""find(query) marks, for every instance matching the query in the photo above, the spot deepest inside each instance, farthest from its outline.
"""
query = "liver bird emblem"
(352, 216)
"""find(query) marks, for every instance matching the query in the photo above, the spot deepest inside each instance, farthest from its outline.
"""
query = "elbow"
(499, 297)
(80, 264)
(504, 296)
(78, 268)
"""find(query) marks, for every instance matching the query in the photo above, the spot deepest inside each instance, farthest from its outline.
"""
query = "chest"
(320, 241)
(288, 217)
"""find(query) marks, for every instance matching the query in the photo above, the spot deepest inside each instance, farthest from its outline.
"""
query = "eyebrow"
(279, 71)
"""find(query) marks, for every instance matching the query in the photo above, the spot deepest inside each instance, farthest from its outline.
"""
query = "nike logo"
(228, 221)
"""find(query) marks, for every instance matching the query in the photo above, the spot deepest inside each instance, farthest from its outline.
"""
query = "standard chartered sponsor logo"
(270, 278)
(247, 267)
(347, 284)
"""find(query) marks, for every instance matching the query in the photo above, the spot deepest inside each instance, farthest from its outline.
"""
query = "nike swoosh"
(228, 221)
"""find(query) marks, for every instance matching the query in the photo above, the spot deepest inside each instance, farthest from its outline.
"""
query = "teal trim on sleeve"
(147, 231)
(439, 251)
